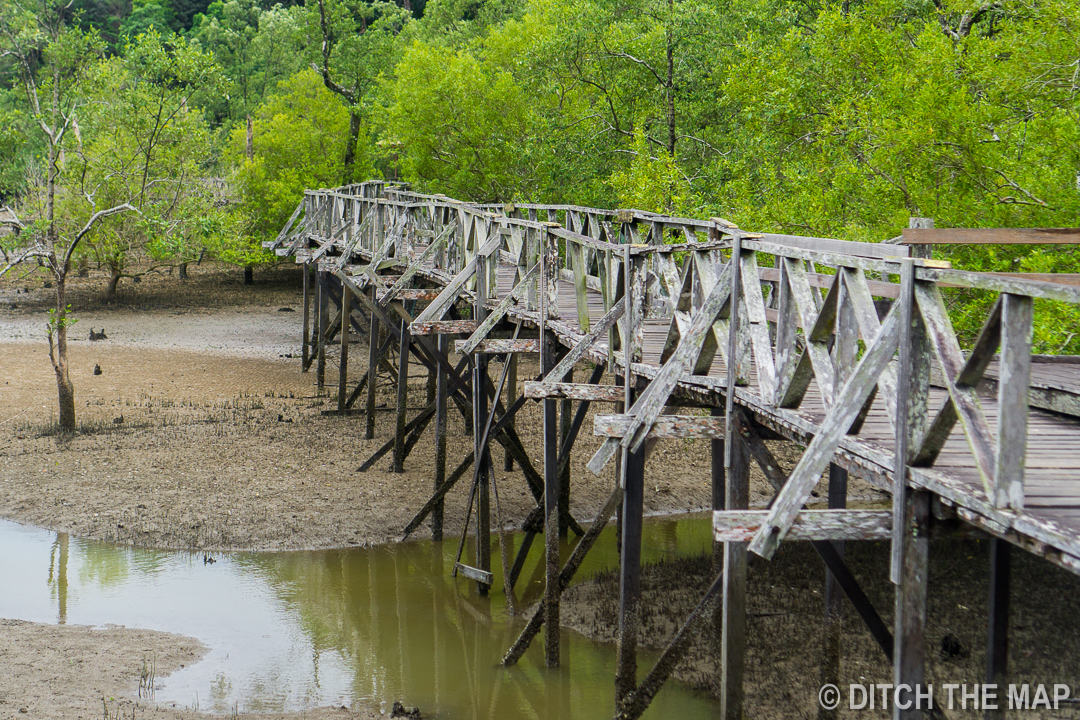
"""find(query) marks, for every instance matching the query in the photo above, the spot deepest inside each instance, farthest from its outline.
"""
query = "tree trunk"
(64, 388)
(114, 280)
(249, 276)
(183, 271)
(350, 147)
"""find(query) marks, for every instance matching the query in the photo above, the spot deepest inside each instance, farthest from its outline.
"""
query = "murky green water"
(293, 630)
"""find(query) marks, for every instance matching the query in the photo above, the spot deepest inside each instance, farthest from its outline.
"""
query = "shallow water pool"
(294, 630)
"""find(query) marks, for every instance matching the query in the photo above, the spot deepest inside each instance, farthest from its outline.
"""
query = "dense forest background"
(818, 117)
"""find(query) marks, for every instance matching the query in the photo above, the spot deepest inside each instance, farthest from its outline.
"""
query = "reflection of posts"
(60, 556)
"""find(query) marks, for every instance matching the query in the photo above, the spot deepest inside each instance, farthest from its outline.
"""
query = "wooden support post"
(630, 577)
(440, 439)
(373, 371)
(1013, 389)
(402, 399)
(909, 648)
(719, 490)
(736, 497)
(566, 411)
(733, 609)
(552, 521)
(305, 349)
(834, 595)
(997, 642)
(343, 364)
(511, 396)
(324, 301)
(483, 455)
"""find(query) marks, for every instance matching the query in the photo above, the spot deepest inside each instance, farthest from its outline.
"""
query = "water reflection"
(293, 630)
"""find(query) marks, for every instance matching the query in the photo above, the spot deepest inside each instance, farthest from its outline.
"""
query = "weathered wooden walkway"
(843, 347)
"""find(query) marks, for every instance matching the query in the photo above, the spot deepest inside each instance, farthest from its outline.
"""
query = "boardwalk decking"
(863, 322)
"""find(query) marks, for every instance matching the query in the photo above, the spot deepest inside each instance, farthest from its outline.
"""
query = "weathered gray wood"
(343, 362)
(740, 526)
(455, 287)
(320, 350)
(574, 354)
(651, 403)
(733, 609)
(443, 327)
(909, 659)
(816, 352)
(414, 266)
(965, 399)
(757, 325)
(1017, 314)
(305, 350)
(402, 399)
(499, 311)
(837, 247)
(629, 577)
(542, 389)
(991, 236)
(483, 577)
(819, 453)
(666, 426)
(497, 347)
(999, 283)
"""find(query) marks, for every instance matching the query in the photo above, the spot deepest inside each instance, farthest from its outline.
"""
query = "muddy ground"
(201, 431)
(785, 637)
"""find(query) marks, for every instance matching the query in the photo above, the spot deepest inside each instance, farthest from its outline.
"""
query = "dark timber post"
(630, 577)
(441, 382)
(548, 274)
(997, 645)
(511, 396)
(324, 320)
(402, 399)
(834, 595)
(911, 508)
(485, 267)
(343, 365)
(373, 369)
(845, 349)
(305, 350)
(566, 412)
(719, 491)
(736, 497)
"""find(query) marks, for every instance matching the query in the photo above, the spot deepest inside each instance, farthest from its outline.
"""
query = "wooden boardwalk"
(844, 348)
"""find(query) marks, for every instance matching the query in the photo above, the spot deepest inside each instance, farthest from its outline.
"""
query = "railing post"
(911, 508)
(1014, 383)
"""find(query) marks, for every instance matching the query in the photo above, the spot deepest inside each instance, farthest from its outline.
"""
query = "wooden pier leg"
(441, 384)
(719, 490)
(733, 609)
(566, 413)
(630, 578)
(909, 650)
(834, 595)
(483, 480)
(511, 396)
(373, 371)
(402, 399)
(324, 319)
(997, 644)
(551, 534)
(343, 365)
(305, 348)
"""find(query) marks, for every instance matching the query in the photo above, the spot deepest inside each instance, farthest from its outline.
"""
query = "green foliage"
(457, 124)
(298, 141)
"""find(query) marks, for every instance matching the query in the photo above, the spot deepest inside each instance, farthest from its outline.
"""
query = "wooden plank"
(758, 325)
(498, 347)
(991, 236)
(443, 327)
(665, 426)
(965, 399)
(500, 310)
(581, 347)
(481, 576)
(820, 451)
(740, 526)
(651, 403)
(539, 390)
(838, 247)
(418, 294)
(1017, 314)
(414, 266)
